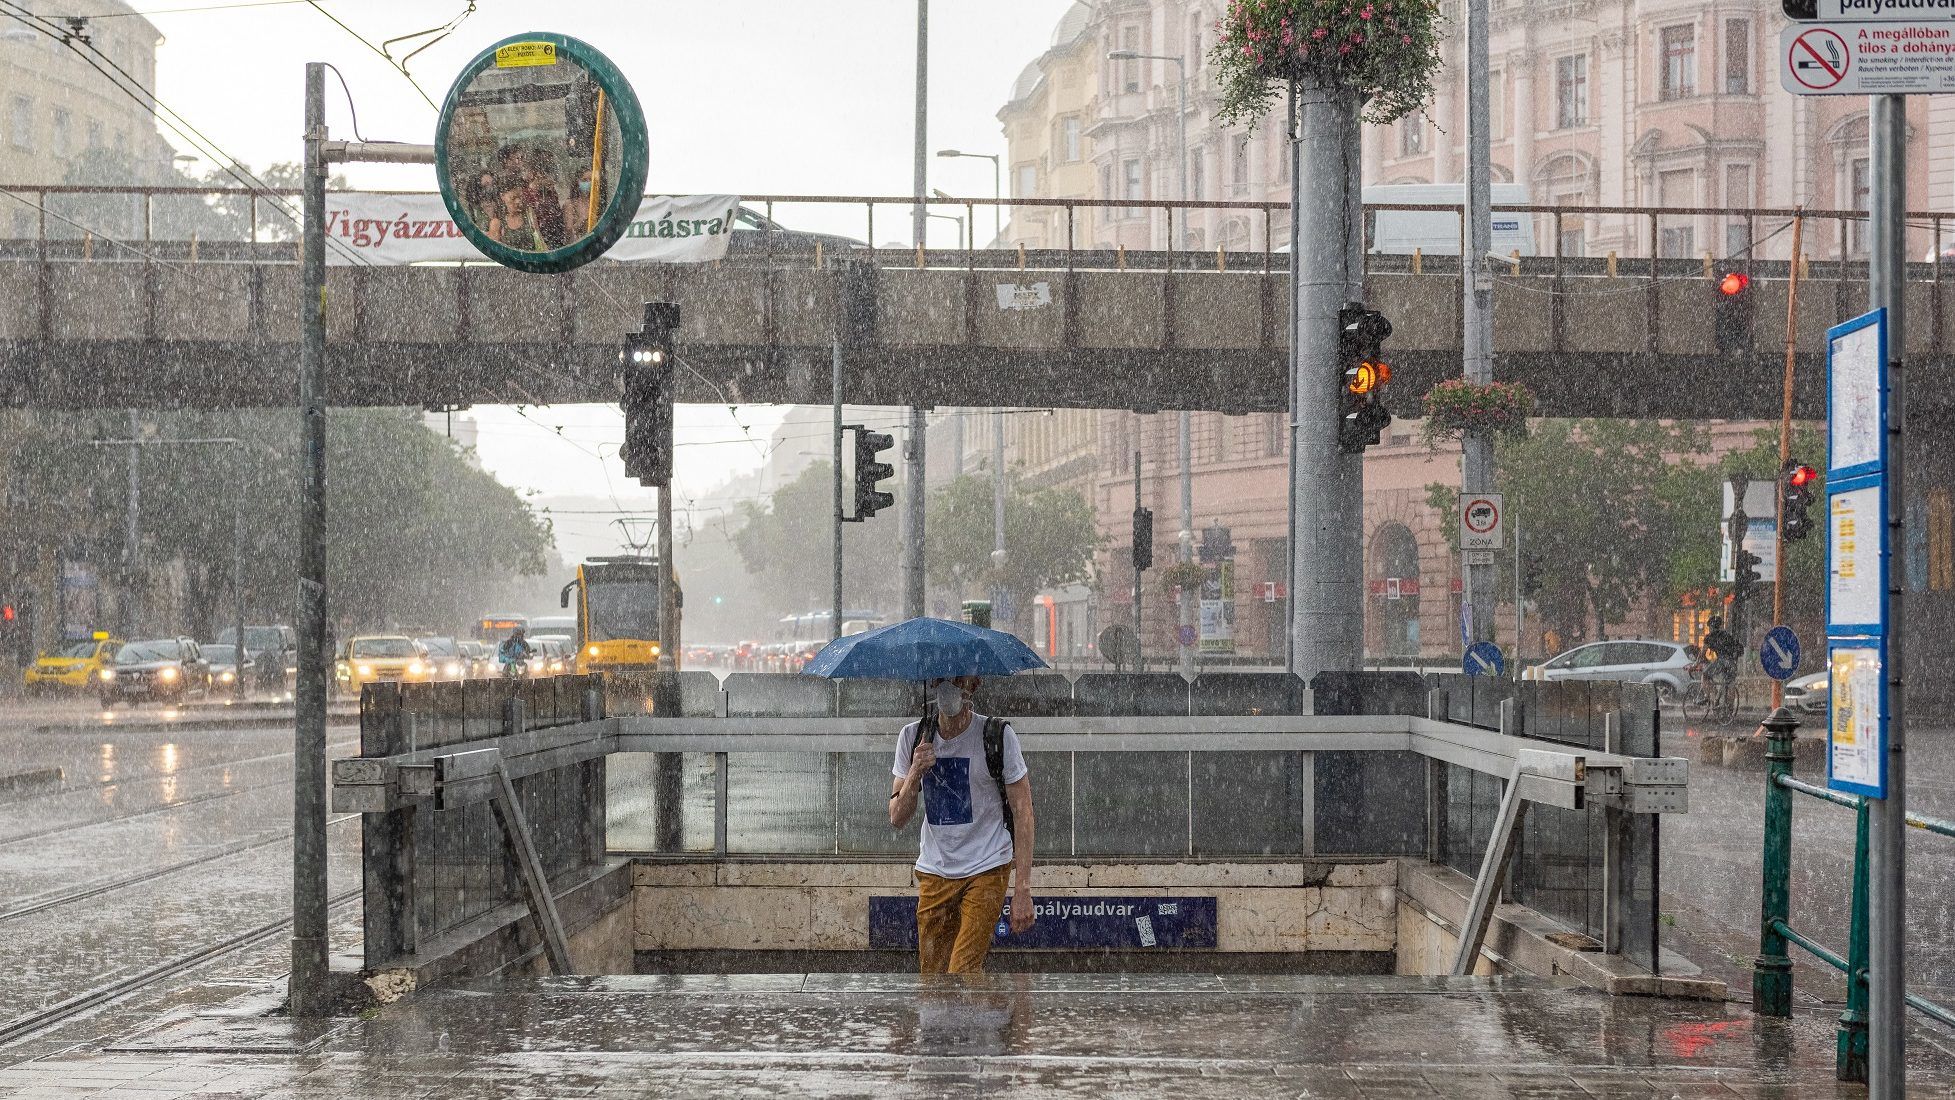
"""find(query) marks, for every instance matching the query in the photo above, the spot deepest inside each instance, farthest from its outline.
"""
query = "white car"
(1664, 664)
(1809, 693)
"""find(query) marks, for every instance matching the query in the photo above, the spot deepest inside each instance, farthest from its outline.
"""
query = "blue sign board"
(1857, 554)
(1779, 656)
(1128, 923)
(1484, 659)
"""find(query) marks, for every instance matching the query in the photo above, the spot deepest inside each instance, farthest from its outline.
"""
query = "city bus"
(495, 626)
(617, 614)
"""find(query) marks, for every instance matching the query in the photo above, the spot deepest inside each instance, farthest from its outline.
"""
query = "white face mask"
(950, 699)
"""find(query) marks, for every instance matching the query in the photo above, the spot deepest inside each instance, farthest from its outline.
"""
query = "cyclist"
(1724, 649)
(514, 651)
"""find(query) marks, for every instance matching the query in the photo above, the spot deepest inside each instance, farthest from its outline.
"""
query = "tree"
(1050, 537)
(1700, 530)
(1604, 514)
(787, 540)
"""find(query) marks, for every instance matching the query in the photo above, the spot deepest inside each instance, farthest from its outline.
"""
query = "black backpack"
(994, 753)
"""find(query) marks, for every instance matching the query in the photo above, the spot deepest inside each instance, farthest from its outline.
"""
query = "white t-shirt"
(964, 830)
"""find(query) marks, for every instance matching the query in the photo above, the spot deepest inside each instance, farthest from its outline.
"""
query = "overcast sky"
(810, 97)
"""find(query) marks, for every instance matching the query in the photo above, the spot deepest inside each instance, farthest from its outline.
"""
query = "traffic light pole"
(1887, 882)
(1326, 485)
(1785, 436)
(835, 486)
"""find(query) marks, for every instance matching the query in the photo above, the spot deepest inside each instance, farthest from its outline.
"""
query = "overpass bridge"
(183, 323)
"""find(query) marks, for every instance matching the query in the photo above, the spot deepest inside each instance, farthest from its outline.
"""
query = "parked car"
(1811, 693)
(158, 668)
(481, 657)
(71, 666)
(755, 234)
(446, 661)
(1664, 664)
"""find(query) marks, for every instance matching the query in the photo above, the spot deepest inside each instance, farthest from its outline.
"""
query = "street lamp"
(1187, 447)
(961, 241)
(997, 187)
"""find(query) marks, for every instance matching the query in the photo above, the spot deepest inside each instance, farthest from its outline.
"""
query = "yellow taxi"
(372, 658)
(72, 666)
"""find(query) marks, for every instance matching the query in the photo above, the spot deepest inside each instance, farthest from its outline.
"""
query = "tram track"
(107, 993)
(50, 901)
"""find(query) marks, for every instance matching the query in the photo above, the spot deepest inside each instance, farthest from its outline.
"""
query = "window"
(60, 135)
(1497, 105)
(1737, 196)
(1197, 168)
(1239, 166)
(20, 123)
(1131, 185)
(1069, 139)
(94, 134)
(1130, 70)
(1411, 136)
(1027, 184)
(1194, 41)
(1676, 237)
(1106, 181)
(1571, 92)
(1679, 77)
(1737, 56)
(1276, 434)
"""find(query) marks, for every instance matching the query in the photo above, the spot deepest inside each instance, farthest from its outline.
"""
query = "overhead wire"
(182, 11)
(362, 40)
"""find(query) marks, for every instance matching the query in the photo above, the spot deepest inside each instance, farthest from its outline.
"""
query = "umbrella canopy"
(923, 649)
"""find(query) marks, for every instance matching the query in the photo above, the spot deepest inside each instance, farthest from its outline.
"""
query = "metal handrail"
(1936, 825)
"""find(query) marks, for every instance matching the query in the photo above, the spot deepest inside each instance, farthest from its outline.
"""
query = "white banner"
(385, 230)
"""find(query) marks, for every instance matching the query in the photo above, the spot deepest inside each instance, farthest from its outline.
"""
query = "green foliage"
(1050, 537)
(1456, 406)
(1384, 51)
(787, 541)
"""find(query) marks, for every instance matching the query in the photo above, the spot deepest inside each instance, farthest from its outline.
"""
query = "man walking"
(977, 827)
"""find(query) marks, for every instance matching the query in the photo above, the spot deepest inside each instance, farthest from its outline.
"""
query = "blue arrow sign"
(1779, 656)
(1484, 659)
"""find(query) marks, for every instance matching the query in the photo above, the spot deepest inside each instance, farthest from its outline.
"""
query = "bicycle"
(1710, 698)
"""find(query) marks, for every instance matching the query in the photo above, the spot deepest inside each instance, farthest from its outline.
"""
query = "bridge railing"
(219, 224)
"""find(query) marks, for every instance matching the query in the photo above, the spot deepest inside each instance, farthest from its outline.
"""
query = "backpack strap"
(994, 760)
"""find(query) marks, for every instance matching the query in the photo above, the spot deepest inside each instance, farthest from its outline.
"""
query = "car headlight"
(108, 674)
(227, 676)
(366, 670)
(167, 674)
(592, 651)
(454, 668)
(416, 668)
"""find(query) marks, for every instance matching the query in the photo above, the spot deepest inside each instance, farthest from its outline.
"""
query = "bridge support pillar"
(1326, 485)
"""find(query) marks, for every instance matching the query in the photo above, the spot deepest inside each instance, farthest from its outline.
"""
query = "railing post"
(1771, 971)
(1850, 1057)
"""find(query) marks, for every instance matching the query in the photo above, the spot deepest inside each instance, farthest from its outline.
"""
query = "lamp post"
(997, 188)
(1187, 534)
(961, 243)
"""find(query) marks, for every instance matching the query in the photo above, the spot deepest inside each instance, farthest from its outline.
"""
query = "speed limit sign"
(1482, 521)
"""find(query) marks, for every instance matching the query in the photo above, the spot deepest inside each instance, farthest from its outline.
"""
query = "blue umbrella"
(923, 649)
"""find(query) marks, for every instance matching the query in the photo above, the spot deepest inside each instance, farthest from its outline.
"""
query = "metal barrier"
(1552, 778)
(1771, 981)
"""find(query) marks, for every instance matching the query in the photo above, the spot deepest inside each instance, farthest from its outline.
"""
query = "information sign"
(1481, 521)
(1856, 396)
(1779, 655)
(1070, 922)
(541, 152)
(1868, 10)
(1868, 58)
(1856, 759)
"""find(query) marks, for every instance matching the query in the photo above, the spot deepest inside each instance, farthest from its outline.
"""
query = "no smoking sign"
(1482, 521)
(1817, 59)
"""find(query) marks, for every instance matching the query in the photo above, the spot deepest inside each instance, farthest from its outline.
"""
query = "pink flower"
(1405, 39)
(1320, 32)
(1365, 14)
(1345, 48)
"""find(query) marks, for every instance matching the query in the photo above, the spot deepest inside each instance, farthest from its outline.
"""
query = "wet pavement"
(1003, 1035)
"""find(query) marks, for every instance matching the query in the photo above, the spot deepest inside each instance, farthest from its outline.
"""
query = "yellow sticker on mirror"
(519, 54)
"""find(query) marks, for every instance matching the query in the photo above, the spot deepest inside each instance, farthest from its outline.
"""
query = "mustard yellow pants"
(955, 918)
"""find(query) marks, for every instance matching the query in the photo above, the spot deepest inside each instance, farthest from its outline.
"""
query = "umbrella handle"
(926, 731)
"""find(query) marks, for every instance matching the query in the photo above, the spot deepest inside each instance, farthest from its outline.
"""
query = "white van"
(1437, 232)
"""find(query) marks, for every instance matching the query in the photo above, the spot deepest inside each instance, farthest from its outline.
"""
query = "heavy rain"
(1220, 548)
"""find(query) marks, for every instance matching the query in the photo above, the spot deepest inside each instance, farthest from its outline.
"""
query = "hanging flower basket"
(1457, 406)
(1183, 574)
(1384, 51)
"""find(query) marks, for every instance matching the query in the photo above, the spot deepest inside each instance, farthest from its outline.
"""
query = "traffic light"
(1795, 496)
(1744, 571)
(1143, 539)
(1362, 418)
(1732, 320)
(645, 365)
(869, 470)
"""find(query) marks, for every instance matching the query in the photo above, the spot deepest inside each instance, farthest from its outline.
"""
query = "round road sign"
(541, 152)
(1484, 659)
(1818, 59)
(1185, 635)
(1480, 515)
(1779, 656)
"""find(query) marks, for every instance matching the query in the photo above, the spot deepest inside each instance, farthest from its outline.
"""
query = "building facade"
(56, 107)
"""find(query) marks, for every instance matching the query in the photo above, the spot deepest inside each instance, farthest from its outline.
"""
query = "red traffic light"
(1801, 476)
(7, 613)
(1733, 283)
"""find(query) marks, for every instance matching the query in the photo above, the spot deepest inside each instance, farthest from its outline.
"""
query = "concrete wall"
(1320, 906)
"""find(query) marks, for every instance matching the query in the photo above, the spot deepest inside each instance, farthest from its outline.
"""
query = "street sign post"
(1484, 659)
(1868, 57)
(1779, 655)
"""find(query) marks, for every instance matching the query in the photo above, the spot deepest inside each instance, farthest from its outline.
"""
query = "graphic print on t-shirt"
(947, 791)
